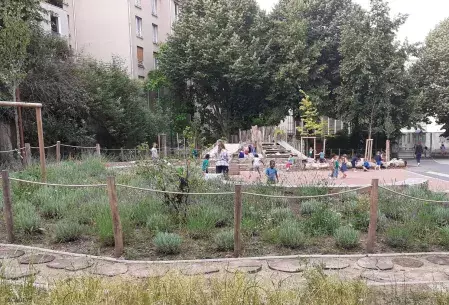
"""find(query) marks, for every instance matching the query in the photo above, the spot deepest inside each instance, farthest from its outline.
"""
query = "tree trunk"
(6, 136)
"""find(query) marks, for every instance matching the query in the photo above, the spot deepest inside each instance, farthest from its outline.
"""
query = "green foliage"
(346, 237)
(310, 207)
(399, 237)
(159, 222)
(310, 116)
(444, 237)
(323, 222)
(291, 235)
(67, 231)
(26, 218)
(167, 243)
(202, 219)
(224, 240)
(104, 229)
(280, 214)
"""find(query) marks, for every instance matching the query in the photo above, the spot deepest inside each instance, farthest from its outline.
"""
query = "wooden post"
(40, 135)
(237, 219)
(387, 151)
(122, 155)
(116, 224)
(28, 154)
(371, 241)
(58, 151)
(98, 150)
(7, 208)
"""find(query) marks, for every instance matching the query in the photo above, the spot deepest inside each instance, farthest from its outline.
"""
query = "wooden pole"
(237, 220)
(28, 154)
(40, 135)
(116, 224)
(122, 155)
(98, 149)
(371, 241)
(7, 206)
(58, 151)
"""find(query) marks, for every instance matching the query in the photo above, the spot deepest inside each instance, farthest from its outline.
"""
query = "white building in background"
(103, 29)
(56, 20)
(428, 135)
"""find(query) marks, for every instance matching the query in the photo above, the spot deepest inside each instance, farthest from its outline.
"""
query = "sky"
(424, 15)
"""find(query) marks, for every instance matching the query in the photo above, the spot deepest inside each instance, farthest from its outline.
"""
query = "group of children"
(341, 164)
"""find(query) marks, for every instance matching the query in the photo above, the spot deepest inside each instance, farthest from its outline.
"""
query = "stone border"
(223, 260)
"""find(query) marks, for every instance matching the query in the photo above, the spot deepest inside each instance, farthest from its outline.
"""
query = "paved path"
(20, 262)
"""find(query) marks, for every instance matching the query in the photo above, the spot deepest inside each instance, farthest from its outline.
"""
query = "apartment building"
(55, 20)
(131, 30)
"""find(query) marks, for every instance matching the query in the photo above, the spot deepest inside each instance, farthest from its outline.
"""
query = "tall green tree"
(431, 76)
(216, 60)
(374, 92)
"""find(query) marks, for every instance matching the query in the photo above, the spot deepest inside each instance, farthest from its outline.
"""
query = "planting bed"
(160, 226)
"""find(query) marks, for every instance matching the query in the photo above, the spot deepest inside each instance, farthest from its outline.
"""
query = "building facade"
(55, 20)
(130, 30)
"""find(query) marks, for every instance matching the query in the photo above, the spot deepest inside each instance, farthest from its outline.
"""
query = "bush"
(159, 222)
(444, 237)
(398, 237)
(104, 228)
(323, 222)
(67, 231)
(52, 208)
(27, 219)
(167, 243)
(280, 214)
(291, 234)
(310, 207)
(360, 220)
(346, 237)
(441, 216)
(202, 219)
(224, 240)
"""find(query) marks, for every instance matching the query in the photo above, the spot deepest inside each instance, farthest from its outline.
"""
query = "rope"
(307, 197)
(87, 147)
(169, 192)
(12, 150)
(46, 147)
(119, 149)
(411, 197)
(57, 184)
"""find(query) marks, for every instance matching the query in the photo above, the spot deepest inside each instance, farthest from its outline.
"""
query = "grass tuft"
(224, 240)
(167, 243)
(346, 237)
(290, 234)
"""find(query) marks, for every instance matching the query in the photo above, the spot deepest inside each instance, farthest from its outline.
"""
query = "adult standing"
(418, 153)
(154, 152)
(222, 165)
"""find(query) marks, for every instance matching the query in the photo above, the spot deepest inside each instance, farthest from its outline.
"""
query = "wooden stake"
(237, 219)
(58, 151)
(122, 155)
(370, 243)
(40, 135)
(98, 150)
(7, 206)
(28, 154)
(116, 224)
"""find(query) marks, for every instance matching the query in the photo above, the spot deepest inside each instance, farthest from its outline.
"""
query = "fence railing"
(111, 187)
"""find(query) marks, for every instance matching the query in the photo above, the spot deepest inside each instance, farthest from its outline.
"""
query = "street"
(432, 168)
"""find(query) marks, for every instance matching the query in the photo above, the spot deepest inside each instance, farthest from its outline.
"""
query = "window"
(54, 21)
(156, 61)
(138, 3)
(141, 77)
(139, 27)
(176, 11)
(155, 39)
(154, 7)
(140, 57)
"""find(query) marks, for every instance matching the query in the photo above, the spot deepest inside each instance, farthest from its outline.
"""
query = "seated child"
(290, 162)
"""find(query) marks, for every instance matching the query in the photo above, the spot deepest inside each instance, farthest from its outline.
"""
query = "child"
(366, 165)
(322, 160)
(336, 167)
(241, 154)
(205, 166)
(310, 152)
(354, 161)
(332, 166)
(378, 159)
(344, 166)
(272, 173)
(154, 154)
(256, 163)
(290, 162)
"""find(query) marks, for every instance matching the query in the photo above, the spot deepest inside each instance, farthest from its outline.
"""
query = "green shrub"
(290, 234)
(202, 219)
(382, 221)
(67, 231)
(279, 214)
(224, 240)
(139, 212)
(310, 207)
(159, 222)
(167, 243)
(53, 208)
(323, 222)
(26, 218)
(346, 237)
(104, 228)
(398, 237)
(349, 207)
(441, 215)
(444, 237)
(360, 220)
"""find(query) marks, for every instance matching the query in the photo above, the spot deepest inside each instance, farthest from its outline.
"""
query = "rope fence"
(411, 197)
